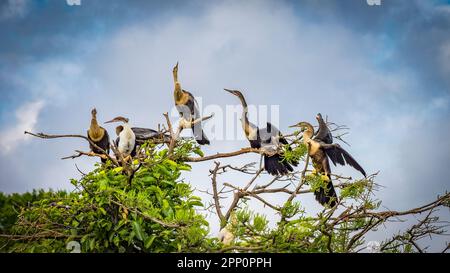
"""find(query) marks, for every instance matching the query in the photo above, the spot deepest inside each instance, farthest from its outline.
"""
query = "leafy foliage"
(12, 205)
(151, 211)
(144, 205)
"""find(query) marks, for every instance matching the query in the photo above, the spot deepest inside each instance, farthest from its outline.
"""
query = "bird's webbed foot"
(127, 158)
(325, 178)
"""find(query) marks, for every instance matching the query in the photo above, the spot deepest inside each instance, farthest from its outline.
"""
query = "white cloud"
(26, 119)
(14, 9)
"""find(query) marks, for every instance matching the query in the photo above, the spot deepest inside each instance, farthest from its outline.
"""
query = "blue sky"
(382, 70)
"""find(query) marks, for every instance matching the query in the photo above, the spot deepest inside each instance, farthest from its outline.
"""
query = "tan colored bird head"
(237, 93)
(118, 119)
(303, 126)
(175, 73)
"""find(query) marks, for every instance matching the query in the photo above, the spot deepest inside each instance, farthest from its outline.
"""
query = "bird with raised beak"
(188, 109)
(98, 135)
(320, 149)
(268, 139)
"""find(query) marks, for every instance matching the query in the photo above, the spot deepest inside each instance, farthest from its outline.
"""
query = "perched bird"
(188, 109)
(126, 140)
(268, 139)
(319, 152)
(98, 135)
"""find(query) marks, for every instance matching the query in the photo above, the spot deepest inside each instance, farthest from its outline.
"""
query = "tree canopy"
(145, 205)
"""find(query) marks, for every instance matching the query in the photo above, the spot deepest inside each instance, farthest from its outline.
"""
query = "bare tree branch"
(46, 136)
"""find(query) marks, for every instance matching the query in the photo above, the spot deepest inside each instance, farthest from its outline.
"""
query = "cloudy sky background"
(384, 71)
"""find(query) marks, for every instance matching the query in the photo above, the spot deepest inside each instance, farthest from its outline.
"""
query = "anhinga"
(319, 151)
(98, 135)
(126, 140)
(187, 107)
(268, 139)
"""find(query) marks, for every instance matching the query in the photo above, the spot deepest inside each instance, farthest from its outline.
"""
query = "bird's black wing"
(324, 133)
(191, 104)
(283, 140)
(104, 142)
(273, 131)
(340, 156)
(117, 142)
(144, 134)
(197, 129)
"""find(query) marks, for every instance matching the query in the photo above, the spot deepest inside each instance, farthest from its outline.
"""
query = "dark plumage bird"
(98, 135)
(187, 107)
(267, 139)
(319, 152)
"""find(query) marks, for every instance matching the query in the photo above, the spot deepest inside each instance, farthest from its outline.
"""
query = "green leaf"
(149, 241)
(196, 203)
(184, 167)
(117, 170)
(198, 152)
(92, 244)
(138, 230)
(171, 163)
(148, 179)
(103, 184)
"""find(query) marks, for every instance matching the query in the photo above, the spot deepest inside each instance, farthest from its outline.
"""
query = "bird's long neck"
(95, 130)
(244, 119)
(126, 126)
(126, 134)
(308, 133)
(178, 92)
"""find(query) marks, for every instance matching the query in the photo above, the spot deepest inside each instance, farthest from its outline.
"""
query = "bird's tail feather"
(327, 196)
(199, 135)
(274, 166)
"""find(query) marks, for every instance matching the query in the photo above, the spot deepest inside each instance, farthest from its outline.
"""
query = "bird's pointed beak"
(293, 126)
(229, 91)
(110, 121)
